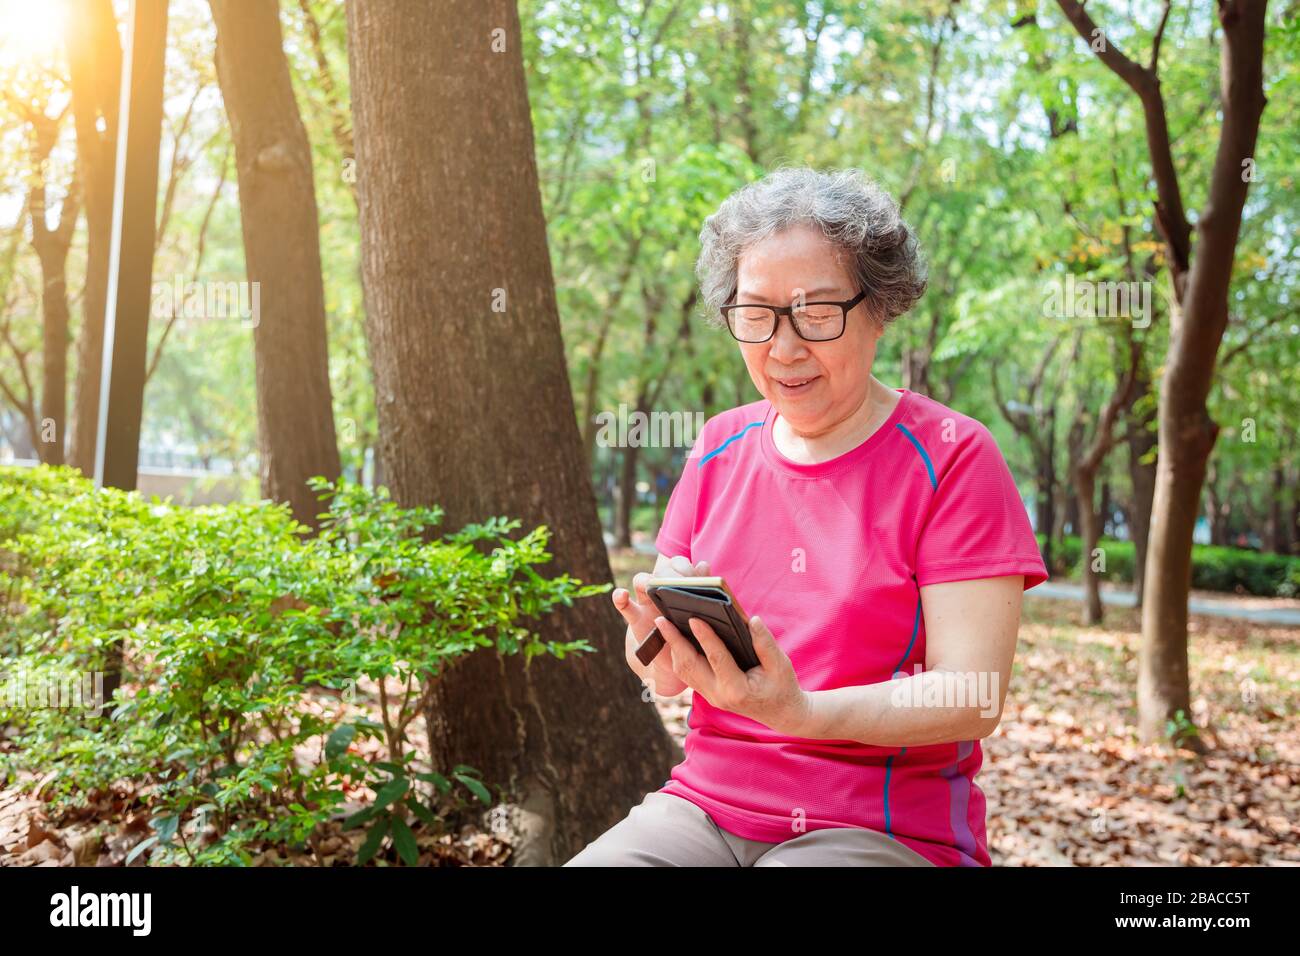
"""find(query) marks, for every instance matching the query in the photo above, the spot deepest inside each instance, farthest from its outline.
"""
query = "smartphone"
(710, 600)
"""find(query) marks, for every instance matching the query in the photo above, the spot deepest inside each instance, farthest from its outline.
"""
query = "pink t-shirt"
(832, 556)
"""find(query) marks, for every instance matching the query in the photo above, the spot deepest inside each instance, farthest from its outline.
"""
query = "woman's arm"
(970, 640)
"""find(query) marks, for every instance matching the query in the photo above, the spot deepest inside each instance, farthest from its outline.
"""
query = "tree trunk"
(1104, 510)
(54, 357)
(1278, 541)
(1199, 316)
(1216, 509)
(1046, 481)
(475, 407)
(95, 66)
(1142, 478)
(277, 208)
(1089, 533)
(1187, 433)
(1074, 448)
(1295, 517)
(51, 246)
(626, 496)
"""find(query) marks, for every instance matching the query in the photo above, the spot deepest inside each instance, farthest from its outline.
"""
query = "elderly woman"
(877, 538)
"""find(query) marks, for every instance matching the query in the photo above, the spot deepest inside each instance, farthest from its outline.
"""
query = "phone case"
(714, 606)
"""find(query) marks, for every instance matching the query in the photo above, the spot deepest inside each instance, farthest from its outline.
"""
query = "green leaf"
(140, 848)
(476, 788)
(404, 840)
(358, 818)
(339, 741)
(166, 827)
(437, 779)
(391, 791)
(421, 811)
(374, 836)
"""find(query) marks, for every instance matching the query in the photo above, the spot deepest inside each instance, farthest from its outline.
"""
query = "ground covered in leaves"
(109, 824)
(1066, 780)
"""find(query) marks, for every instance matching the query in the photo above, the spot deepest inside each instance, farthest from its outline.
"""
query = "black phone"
(709, 599)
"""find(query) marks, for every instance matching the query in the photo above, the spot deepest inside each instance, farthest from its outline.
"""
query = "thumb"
(765, 646)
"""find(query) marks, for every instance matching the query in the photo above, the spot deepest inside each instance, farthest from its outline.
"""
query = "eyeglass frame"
(846, 306)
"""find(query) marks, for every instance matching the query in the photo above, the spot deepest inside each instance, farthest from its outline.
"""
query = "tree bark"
(51, 246)
(475, 407)
(1046, 481)
(1104, 509)
(1140, 439)
(95, 66)
(1187, 432)
(277, 208)
(1089, 532)
(626, 496)
(1295, 517)
(1278, 541)
(1216, 509)
(1200, 313)
(1085, 468)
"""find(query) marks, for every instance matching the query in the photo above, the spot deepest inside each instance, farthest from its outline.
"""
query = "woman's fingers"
(639, 582)
(632, 612)
(682, 565)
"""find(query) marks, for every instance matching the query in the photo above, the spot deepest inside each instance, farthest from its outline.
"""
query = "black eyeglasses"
(811, 321)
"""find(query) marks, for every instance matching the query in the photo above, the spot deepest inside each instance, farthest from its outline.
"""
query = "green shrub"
(1234, 570)
(229, 621)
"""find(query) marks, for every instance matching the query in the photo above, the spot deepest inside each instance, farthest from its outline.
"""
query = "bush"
(228, 621)
(1235, 570)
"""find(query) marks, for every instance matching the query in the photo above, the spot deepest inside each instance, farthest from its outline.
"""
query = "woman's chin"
(802, 416)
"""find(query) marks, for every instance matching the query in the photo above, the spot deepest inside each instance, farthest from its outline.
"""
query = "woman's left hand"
(769, 693)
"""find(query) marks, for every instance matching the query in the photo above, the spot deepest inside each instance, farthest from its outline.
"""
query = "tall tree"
(277, 207)
(475, 407)
(1200, 314)
(51, 244)
(95, 69)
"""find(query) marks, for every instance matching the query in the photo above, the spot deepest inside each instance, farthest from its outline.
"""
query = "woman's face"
(813, 385)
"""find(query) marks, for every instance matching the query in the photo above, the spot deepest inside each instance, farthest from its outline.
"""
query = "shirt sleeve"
(678, 526)
(977, 526)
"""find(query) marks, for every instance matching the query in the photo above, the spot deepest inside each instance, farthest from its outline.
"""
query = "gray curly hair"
(851, 211)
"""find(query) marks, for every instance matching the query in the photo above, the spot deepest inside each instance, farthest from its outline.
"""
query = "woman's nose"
(786, 344)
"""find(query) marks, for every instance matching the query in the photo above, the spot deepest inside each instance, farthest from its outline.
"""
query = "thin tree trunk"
(1199, 316)
(95, 67)
(475, 407)
(1140, 439)
(1089, 533)
(1295, 516)
(1046, 481)
(626, 496)
(1104, 509)
(1216, 509)
(1278, 541)
(277, 208)
(1074, 449)
(51, 247)
(1187, 432)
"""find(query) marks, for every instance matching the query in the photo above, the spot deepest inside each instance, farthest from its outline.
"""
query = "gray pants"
(667, 830)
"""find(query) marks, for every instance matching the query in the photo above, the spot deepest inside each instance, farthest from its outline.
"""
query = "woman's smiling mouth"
(796, 386)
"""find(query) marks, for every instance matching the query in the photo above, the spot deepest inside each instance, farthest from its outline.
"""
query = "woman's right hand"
(640, 613)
